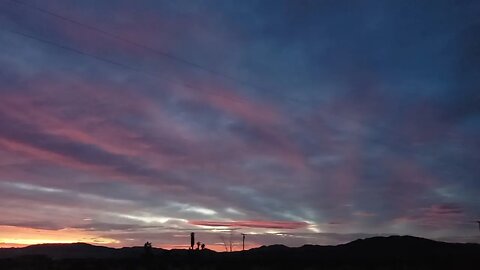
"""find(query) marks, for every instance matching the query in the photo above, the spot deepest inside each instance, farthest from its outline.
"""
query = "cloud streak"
(251, 224)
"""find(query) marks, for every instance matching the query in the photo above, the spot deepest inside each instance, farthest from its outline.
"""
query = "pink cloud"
(47, 109)
(266, 118)
(436, 216)
(410, 181)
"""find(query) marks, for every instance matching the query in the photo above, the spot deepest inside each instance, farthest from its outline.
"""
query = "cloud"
(106, 227)
(47, 225)
(251, 224)
(351, 125)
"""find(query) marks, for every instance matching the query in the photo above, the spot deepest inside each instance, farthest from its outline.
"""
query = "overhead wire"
(159, 52)
(121, 38)
(154, 75)
(138, 69)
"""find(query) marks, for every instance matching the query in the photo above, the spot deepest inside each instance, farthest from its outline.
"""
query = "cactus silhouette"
(148, 255)
(147, 248)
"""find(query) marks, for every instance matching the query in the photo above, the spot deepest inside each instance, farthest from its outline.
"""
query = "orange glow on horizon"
(19, 236)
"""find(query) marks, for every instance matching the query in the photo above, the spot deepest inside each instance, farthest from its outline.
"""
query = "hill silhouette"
(393, 252)
(75, 251)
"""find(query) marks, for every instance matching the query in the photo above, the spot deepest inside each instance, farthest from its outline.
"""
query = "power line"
(153, 50)
(135, 69)
(106, 60)
(128, 67)
(148, 48)
(137, 44)
(71, 49)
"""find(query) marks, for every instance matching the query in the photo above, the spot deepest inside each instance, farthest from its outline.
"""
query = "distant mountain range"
(384, 247)
(73, 251)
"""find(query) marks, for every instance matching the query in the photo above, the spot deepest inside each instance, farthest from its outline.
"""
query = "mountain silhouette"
(74, 251)
(392, 252)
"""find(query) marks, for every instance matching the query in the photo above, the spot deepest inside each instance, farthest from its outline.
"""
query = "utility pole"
(243, 238)
(192, 240)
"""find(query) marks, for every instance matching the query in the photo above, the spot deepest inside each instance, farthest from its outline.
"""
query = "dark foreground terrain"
(395, 252)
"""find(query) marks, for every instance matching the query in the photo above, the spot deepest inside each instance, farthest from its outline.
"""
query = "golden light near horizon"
(19, 236)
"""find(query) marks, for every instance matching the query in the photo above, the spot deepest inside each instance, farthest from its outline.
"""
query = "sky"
(294, 122)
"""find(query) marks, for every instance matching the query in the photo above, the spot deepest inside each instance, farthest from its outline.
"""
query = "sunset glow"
(17, 237)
